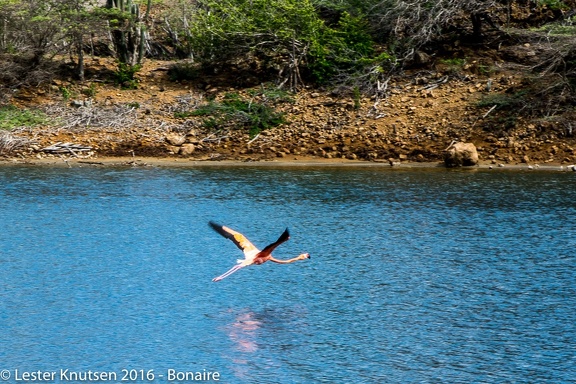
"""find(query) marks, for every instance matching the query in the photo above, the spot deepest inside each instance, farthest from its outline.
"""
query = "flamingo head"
(304, 256)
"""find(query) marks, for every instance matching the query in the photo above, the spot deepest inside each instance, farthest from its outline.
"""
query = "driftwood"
(61, 148)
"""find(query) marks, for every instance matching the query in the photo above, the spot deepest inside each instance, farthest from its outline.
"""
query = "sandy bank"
(138, 161)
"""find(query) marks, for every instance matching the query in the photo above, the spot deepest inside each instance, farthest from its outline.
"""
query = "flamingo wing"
(237, 238)
(283, 238)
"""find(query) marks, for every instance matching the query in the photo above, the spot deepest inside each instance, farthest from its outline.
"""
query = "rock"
(187, 149)
(421, 58)
(172, 149)
(461, 154)
(526, 159)
(174, 138)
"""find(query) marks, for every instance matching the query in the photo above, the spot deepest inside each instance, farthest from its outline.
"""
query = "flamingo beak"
(309, 257)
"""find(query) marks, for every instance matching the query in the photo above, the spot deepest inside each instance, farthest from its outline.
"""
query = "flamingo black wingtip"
(285, 235)
(214, 225)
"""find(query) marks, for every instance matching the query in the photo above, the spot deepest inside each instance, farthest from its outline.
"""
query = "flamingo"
(252, 255)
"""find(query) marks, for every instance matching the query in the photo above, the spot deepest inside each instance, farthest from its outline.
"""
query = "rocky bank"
(423, 114)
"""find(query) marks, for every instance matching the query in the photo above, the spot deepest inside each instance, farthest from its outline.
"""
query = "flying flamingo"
(252, 255)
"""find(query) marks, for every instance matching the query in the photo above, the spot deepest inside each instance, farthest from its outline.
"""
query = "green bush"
(345, 47)
(505, 101)
(12, 117)
(554, 4)
(272, 36)
(66, 93)
(234, 111)
(124, 76)
(285, 38)
(90, 91)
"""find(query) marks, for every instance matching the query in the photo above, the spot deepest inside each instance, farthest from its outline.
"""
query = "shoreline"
(300, 161)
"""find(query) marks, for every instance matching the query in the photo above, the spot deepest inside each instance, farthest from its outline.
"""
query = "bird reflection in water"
(243, 331)
(258, 336)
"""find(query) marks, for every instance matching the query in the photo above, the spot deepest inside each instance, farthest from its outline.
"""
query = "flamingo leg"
(231, 271)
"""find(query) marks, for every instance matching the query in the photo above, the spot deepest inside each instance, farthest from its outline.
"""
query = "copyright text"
(124, 375)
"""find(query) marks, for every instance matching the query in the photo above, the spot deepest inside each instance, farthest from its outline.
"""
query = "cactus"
(128, 38)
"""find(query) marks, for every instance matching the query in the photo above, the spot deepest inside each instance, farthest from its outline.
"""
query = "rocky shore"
(422, 116)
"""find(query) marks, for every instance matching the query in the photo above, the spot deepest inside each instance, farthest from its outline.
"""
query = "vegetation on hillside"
(348, 46)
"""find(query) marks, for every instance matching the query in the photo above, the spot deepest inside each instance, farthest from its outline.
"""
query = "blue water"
(416, 276)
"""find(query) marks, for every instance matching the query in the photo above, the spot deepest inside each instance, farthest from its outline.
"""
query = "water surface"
(416, 276)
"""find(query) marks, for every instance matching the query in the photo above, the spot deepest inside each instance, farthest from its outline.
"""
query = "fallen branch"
(10, 142)
(65, 160)
(60, 147)
(486, 114)
(91, 162)
(215, 139)
(255, 137)
(435, 84)
(489, 111)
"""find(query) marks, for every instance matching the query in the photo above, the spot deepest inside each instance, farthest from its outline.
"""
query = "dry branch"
(9, 142)
(60, 148)
(489, 111)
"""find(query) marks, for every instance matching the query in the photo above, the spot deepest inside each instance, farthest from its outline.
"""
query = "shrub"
(342, 48)
(90, 91)
(553, 4)
(273, 35)
(12, 117)
(66, 93)
(235, 111)
(124, 76)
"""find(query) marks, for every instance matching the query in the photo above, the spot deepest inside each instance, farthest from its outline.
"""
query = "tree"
(79, 20)
(31, 35)
(273, 34)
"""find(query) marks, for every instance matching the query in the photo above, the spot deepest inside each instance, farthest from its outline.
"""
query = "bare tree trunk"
(3, 31)
(141, 45)
(476, 25)
(80, 64)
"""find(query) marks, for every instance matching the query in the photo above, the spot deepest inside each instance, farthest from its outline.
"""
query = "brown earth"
(424, 112)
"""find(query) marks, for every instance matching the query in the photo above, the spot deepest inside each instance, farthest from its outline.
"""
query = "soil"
(424, 112)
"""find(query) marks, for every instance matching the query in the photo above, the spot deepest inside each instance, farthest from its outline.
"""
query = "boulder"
(187, 149)
(175, 139)
(461, 154)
